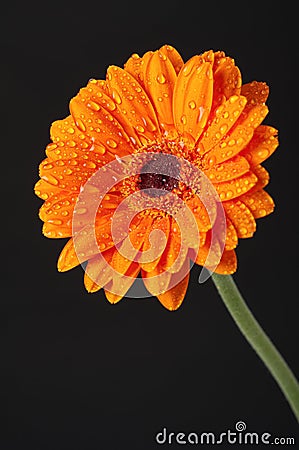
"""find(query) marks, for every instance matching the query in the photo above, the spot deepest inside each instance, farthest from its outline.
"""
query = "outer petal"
(241, 217)
(159, 80)
(228, 263)
(227, 76)
(231, 240)
(131, 245)
(200, 213)
(99, 124)
(162, 224)
(260, 203)
(255, 92)
(192, 98)
(262, 145)
(135, 104)
(98, 271)
(228, 170)
(229, 146)
(66, 177)
(262, 177)
(173, 298)
(121, 284)
(173, 55)
(154, 284)
(234, 188)
(224, 118)
(175, 252)
(57, 214)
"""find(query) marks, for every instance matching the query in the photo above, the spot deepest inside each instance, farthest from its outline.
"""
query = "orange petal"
(110, 100)
(262, 177)
(120, 284)
(159, 223)
(262, 145)
(231, 239)
(229, 146)
(57, 214)
(135, 104)
(174, 57)
(234, 188)
(100, 125)
(253, 115)
(173, 298)
(200, 213)
(260, 203)
(207, 256)
(68, 257)
(45, 190)
(175, 252)
(227, 76)
(134, 66)
(241, 218)
(225, 117)
(192, 97)
(228, 263)
(154, 284)
(159, 80)
(98, 272)
(228, 170)
(255, 92)
(131, 245)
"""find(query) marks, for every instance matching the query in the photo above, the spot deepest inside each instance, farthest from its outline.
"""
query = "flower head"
(161, 119)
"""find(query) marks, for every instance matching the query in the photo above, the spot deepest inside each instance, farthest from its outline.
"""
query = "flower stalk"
(258, 339)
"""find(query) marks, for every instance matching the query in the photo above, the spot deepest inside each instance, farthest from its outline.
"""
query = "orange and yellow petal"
(192, 97)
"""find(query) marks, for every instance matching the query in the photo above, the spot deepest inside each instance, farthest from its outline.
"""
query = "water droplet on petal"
(116, 97)
(161, 78)
(192, 104)
(80, 125)
(80, 211)
(184, 120)
(93, 105)
(50, 179)
(55, 221)
(111, 143)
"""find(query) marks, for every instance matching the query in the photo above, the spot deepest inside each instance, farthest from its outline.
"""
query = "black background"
(76, 372)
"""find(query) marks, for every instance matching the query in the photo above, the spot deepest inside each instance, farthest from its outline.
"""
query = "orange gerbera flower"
(198, 111)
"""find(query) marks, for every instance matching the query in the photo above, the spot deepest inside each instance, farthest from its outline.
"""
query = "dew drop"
(192, 104)
(116, 97)
(262, 212)
(51, 179)
(68, 171)
(93, 105)
(263, 153)
(140, 129)
(80, 125)
(184, 120)
(111, 143)
(99, 148)
(51, 147)
(90, 164)
(48, 166)
(55, 221)
(80, 211)
(71, 130)
(161, 78)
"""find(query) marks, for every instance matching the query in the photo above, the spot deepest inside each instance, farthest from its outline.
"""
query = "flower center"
(153, 178)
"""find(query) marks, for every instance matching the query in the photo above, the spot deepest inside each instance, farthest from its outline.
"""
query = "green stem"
(258, 339)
